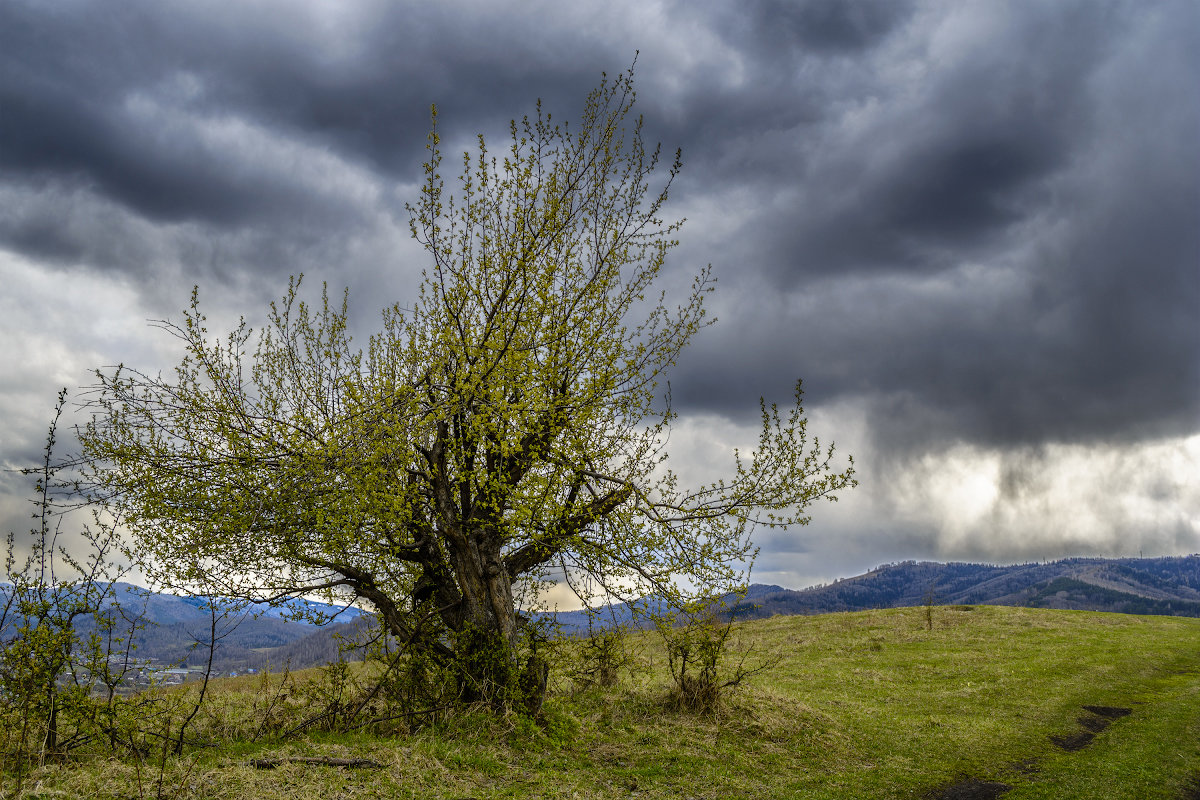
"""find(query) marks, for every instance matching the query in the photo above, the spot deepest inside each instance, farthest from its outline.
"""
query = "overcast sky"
(972, 228)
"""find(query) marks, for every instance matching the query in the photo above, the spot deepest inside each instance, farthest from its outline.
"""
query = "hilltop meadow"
(925, 702)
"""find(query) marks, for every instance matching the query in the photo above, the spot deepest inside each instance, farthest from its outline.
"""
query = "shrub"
(698, 656)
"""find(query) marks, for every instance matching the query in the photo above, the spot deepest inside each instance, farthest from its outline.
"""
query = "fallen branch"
(272, 763)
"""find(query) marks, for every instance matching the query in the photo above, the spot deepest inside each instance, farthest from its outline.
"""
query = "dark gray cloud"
(1000, 247)
(128, 97)
(973, 223)
(826, 25)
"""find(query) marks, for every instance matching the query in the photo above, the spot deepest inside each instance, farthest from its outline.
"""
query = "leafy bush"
(601, 656)
(698, 658)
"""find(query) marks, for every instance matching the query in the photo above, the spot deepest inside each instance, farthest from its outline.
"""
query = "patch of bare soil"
(971, 789)
(1076, 741)
(1097, 719)
(1110, 712)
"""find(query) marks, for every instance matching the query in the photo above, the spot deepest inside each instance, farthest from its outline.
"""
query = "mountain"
(176, 629)
(1165, 586)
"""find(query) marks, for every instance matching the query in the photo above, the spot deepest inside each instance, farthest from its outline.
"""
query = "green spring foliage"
(511, 425)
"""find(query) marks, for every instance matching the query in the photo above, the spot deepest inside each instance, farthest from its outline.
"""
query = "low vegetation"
(985, 702)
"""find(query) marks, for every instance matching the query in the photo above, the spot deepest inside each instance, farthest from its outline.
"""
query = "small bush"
(602, 655)
(697, 655)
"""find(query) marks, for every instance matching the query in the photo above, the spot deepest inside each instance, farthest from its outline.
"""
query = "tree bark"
(487, 634)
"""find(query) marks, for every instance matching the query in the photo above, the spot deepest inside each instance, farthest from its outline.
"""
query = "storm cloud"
(973, 229)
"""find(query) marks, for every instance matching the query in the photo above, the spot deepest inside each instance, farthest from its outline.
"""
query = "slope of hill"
(991, 702)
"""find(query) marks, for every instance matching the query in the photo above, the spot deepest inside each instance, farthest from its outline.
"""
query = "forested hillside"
(1168, 586)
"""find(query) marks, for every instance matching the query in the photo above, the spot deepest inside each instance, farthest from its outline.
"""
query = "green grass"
(863, 705)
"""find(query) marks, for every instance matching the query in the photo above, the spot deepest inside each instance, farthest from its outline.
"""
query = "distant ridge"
(1164, 586)
(175, 629)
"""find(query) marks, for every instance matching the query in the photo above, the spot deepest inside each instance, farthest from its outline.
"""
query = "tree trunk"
(50, 743)
(487, 639)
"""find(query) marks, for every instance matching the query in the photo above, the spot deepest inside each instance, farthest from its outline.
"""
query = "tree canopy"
(509, 426)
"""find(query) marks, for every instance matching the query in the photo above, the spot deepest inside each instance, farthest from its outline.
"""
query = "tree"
(58, 628)
(510, 424)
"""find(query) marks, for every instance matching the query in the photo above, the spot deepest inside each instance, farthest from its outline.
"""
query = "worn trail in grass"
(863, 705)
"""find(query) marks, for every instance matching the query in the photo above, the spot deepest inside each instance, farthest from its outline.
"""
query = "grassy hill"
(1017, 703)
